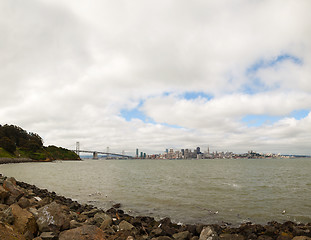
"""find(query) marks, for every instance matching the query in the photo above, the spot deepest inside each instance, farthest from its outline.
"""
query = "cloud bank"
(232, 75)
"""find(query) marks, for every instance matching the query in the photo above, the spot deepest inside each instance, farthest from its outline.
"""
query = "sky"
(231, 75)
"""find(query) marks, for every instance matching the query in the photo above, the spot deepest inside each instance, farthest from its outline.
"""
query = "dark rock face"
(23, 220)
(85, 232)
(4, 194)
(7, 233)
(27, 212)
(51, 218)
(15, 192)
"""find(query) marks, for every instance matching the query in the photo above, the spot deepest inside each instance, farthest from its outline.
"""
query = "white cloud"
(203, 113)
(69, 67)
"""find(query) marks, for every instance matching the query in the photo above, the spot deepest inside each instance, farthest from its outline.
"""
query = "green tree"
(7, 144)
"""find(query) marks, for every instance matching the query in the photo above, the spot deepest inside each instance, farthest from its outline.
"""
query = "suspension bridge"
(96, 153)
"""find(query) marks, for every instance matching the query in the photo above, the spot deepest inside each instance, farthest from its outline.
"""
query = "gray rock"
(48, 236)
(10, 185)
(124, 225)
(106, 224)
(264, 237)
(74, 224)
(4, 194)
(84, 232)
(28, 235)
(91, 213)
(23, 202)
(51, 218)
(162, 238)
(73, 215)
(7, 233)
(3, 207)
(99, 218)
(82, 218)
(6, 216)
(23, 220)
(194, 238)
(109, 230)
(34, 212)
(301, 238)
(181, 235)
(156, 232)
(208, 234)
(231, 237)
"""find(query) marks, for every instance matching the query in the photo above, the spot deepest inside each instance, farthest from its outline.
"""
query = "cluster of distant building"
(197, 154)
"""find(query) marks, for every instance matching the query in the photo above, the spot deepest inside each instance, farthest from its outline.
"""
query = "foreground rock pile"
(27, 212)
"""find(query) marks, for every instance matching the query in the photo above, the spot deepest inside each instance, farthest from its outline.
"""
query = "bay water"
(188, 191)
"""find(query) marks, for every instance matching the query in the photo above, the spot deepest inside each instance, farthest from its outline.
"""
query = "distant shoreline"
(16, 160)
(26, 160)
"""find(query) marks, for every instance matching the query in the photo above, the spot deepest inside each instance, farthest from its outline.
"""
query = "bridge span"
(95, 153)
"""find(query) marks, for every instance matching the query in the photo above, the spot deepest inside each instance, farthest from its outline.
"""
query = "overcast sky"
(234, 75)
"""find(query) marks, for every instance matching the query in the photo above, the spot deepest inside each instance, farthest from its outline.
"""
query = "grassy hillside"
(61, 153)
(16, 142)
(5, 154)
(45, 153)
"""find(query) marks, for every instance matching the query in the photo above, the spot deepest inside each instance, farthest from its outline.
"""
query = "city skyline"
(234, 75)
(186, 153)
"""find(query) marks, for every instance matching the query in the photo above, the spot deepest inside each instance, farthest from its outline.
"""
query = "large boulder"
(3, 194)
(208, 233)
(181, 235)
(51, 218)
(7, 233)
(227, 236)
(100, 217)
(23, 220)
(15, 192)
(10, 185)
(6, 216)
(125, 226)
(91, 213)
(84, 232)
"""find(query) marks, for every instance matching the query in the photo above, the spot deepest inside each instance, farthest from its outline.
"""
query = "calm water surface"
(188, 191)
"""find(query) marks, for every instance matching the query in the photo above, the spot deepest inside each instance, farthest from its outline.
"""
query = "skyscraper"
(198, 150)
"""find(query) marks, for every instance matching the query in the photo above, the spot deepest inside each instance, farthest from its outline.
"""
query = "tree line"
(12, 137)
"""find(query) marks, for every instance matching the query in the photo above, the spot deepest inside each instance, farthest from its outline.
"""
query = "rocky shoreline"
(15, 160)
(27, 212)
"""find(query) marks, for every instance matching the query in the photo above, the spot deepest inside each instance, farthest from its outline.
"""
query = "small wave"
(95, 194)
(233, 185)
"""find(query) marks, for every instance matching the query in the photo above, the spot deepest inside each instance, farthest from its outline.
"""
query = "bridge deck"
(99, 152)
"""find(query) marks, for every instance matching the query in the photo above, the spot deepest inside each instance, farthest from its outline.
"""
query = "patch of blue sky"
(135, 113)
(255, 84)
(270, 63)
(195, 95)
(299, 114)
(171, 125)
(129, 114)
(260, 120)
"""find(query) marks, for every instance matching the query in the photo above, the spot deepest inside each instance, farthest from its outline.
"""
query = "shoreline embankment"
(15, 160)
(28, 212)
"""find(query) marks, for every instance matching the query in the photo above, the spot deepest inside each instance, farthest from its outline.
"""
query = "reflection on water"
(206, 191)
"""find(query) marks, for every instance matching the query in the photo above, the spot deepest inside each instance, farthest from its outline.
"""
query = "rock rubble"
(27, 212)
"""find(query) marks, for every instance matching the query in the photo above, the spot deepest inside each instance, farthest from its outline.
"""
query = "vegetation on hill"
(15, 142)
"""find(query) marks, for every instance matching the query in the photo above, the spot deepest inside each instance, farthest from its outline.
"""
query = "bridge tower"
(78, 148)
